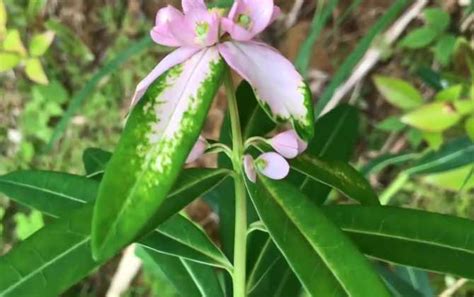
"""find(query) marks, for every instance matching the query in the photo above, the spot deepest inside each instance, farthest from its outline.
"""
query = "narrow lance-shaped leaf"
(42, 255)
(337, 133)
(325, 261)
(338, 175)
(190, 279)
(160, 132)
(95, 161)
(414, 238)
(179, 236)
(52, 193)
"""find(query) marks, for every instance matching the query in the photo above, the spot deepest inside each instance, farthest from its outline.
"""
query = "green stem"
(394, 188)
(240, 236)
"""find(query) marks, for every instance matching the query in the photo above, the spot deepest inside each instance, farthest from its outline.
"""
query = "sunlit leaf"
(452, 180)
(40, 43)
(434, 117)
(450, 94)
(434, 139)
(34, 71)
(12, 43)
(159, 135)
(9, 61)
(470, 127)
(398, 92)
(3, 20)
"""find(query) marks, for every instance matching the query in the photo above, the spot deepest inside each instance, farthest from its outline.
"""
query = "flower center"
(261, 164)
(244, 21)
(202, 28)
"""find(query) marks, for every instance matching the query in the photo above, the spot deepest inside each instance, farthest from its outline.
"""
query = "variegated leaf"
(159, 134)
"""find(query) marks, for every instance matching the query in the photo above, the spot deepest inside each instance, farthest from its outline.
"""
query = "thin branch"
(127, 270)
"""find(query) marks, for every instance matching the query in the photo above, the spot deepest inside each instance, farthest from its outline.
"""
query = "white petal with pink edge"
(161, 33)
(248, 18)
(198, 150)
(279, 88)
(272, 165)
(177, 57)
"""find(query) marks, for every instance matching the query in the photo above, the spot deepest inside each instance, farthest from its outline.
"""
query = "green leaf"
(470, 127)
(338, 175)
(190, 279)
(3, 20)
(418, 279)
(419, 38)
(181, 237)
(391, 124)
(434, 140)
(378, 164)
(414, 238)
(95, 161)
(12, 43)
(311, 243)
(450, 94)
(50, 261)
(336, 137)
(452, 155)
(67, 240)
(444, 49)
(358, 53)
(40, 43)
(9, 61)
(434, 117)
(53, 193)
(398, 92)
(453, 180)
(437, 19)
(158, 137)
(34, 71)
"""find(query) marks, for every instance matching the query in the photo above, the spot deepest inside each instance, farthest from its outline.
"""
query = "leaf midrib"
(400, 237)
(31, 187)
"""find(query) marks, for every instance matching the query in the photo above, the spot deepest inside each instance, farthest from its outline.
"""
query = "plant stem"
(240, 236)
(394, 188)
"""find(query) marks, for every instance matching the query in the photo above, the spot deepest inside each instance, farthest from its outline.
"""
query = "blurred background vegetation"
(68, 69)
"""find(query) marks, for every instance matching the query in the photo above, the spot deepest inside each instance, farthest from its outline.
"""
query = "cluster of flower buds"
(287, 145)
(274, 165)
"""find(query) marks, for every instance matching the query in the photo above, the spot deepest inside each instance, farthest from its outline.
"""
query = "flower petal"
(189, 5)
(198, 28)
(161, 33)
(249, 168)
(273, 165)
(177, 57)
(198, 150)
(286, 144)
(279, 88)
(249, 15)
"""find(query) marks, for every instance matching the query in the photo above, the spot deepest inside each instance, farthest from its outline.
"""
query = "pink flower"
(279, 88)
(198, 150)
(272, 165)
(288, 144)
